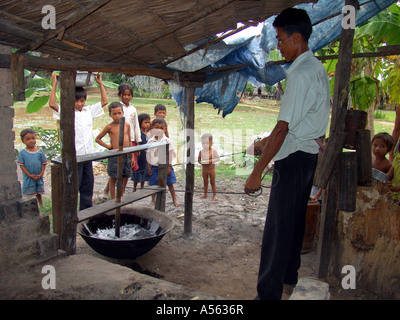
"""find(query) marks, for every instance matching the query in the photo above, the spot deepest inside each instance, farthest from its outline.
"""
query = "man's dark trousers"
(285, 224)
(86, 185)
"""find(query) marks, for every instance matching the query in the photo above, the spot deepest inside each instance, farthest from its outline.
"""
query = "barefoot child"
(32, 162)
(116, 112)
(157, 134)
(208, 156)
(382, 144)
(125, 92)
(141, 175)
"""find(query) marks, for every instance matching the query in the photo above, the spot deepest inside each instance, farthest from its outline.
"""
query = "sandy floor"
(221, 255)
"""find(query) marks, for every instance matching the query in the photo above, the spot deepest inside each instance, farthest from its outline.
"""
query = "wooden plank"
(17, 74)
(112, 153)
(111, 205)
(69, 166)
(190, 160)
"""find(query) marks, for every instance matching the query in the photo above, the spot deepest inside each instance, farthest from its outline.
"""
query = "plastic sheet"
(223, 89)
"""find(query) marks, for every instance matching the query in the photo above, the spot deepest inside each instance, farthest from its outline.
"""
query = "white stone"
(309, 288)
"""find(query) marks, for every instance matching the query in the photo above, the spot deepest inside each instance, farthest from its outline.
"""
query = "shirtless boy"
(116, 112)
(208, 156)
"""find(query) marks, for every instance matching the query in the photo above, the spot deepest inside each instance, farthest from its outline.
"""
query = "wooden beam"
(200, 15)
(80, 14)
(37, 63)
(190, 159)
(69, 168)
(17, 74)
(206, 44)
(339, 109)
(111, 153)
(382, 52)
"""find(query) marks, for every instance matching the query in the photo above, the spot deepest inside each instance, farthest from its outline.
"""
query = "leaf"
(36, 104)
(29, 92)
(363, 90)
(107, 84)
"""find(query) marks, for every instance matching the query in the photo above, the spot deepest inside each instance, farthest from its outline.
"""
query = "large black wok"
(156, 221)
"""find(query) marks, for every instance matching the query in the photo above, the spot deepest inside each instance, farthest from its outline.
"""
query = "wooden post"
(190, 81)
(364, 157)
(190, 158)
(56, 199)
(17, 74)
(332, 151)
(348, 181)
(162, 177)
(339, 110)
(327, 223)
(69, 168)
(119, 175)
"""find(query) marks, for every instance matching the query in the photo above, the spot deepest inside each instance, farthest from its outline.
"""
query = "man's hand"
(253, 183)
(257, 147)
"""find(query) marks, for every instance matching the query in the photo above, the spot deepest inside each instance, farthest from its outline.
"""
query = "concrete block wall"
(24, 234)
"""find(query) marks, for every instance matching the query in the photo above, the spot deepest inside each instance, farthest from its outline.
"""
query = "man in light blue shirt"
(303, 118)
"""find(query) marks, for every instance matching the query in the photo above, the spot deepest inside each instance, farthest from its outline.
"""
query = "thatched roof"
(127, 33)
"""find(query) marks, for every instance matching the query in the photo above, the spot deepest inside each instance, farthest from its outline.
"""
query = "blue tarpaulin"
(224, 89)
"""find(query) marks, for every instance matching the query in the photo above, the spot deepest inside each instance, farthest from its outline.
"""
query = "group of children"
(139, 129)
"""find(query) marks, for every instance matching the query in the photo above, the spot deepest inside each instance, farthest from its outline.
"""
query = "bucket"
(355, 120)
(312, 218)
(85, 79)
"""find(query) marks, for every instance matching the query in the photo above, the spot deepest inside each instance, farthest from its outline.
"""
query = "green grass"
(232, 133)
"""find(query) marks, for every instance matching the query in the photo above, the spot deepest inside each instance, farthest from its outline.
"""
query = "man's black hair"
(294, 20)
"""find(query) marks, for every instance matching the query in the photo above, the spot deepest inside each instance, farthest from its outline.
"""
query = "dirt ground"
(221, 255)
